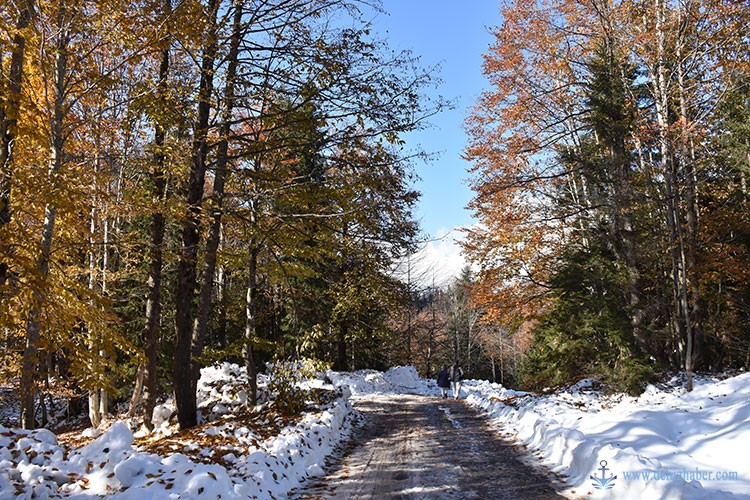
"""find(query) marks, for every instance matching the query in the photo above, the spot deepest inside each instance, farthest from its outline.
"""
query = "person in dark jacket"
(443, 381)
(456, 375)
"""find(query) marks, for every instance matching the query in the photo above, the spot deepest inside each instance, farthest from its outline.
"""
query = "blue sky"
(453, 34)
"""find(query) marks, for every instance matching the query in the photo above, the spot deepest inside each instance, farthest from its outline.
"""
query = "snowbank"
(34, 465)
(664, 444)
(396, 380)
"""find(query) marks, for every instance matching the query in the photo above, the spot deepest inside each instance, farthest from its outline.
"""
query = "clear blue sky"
(453, 34)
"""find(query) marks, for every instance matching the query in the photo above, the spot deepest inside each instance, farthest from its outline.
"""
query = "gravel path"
(427, 447)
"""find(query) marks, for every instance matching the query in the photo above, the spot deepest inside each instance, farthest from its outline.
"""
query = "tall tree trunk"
(10, 106)
(469, 329)
(33, 327)
(98, 398)
(150, 333)
(432, 330)
(694, 314)
(184, 385)
(136, 397)
(251, 322)
(217, 198)
(223, 280)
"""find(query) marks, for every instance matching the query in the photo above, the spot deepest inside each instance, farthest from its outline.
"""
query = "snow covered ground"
(665, 444)
(227, 457)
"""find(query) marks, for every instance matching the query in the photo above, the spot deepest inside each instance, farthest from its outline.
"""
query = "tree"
(231, 160)
(158, 186)
(10, 109)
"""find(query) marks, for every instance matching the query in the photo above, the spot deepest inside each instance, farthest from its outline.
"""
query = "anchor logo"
(603, 482)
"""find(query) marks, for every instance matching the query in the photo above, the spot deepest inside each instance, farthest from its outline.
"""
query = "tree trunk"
(135, 399)
(98, 399)
(469, 328)
(217, 198)
(251, 318)
(150, 334)
(184, 383)
(222, 285)
(694, 315)
(671, 185)
(33, 328)
(432, 330)
(9, 111)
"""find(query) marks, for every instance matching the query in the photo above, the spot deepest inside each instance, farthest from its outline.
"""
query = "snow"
(34, 465)
(396, 380)
(676, 436)
(680, 440)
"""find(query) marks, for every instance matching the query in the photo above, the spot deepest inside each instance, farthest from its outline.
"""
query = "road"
(419, 447)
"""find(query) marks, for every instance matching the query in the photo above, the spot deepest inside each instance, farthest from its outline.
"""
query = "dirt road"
(427, 447)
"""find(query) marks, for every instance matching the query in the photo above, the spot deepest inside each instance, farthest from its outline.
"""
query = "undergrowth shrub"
(285, 384)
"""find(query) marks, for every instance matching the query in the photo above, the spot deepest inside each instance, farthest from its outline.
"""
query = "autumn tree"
(10, 109)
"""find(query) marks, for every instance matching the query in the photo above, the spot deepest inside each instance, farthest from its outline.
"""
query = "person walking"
(456, 375)
(443, 381)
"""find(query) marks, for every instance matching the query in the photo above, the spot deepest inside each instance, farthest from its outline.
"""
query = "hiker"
(443, 381)
(456, 374)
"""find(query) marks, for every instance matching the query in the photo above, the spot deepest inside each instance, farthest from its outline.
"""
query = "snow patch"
(455, 423)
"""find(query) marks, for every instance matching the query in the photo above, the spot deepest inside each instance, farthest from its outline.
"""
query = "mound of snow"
(664, 444)
(396, 380)
(404, 377)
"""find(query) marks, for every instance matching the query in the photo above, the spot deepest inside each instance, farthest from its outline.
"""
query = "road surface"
(419, 447)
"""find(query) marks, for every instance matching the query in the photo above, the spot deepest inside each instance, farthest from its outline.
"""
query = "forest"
(610, 161)
(189, 181)
(184, 182)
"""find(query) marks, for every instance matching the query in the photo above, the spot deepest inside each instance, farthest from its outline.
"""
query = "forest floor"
(410, 446)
